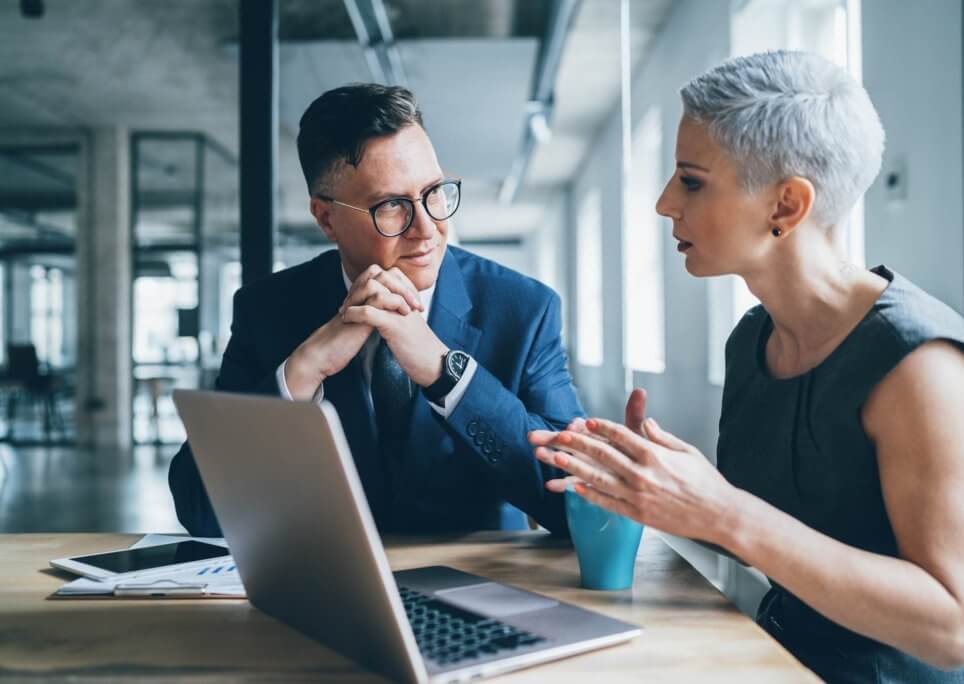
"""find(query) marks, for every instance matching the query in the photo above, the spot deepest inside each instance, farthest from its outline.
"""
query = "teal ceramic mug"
(606, 544)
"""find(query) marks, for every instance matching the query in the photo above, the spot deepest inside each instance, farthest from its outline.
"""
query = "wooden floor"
(63, 489)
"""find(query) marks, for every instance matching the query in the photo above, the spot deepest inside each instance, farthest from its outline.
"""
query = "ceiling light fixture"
(538, 112)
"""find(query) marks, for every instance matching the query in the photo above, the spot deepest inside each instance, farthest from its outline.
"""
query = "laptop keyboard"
(447, 634)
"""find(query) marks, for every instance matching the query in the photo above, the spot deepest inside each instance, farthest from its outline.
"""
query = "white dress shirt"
(449, 401)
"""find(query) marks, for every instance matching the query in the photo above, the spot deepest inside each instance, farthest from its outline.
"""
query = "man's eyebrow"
(691, 165)
(436, 181)
(380, 196)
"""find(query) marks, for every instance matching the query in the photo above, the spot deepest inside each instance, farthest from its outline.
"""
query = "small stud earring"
(777, 232)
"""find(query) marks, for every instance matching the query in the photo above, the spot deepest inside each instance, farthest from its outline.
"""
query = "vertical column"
(70, 318)
(209, 312)
(104, 382)
(19, 302)
(259, 136)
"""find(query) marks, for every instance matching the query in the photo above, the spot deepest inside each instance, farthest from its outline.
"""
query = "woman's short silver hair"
(782, 114)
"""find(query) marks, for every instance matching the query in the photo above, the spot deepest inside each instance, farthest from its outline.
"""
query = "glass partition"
(185, 226)
(38, 340)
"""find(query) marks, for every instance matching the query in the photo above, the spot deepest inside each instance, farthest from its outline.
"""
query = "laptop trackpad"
(495, 600)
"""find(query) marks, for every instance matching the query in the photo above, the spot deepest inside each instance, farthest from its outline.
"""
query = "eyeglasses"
(395, 215)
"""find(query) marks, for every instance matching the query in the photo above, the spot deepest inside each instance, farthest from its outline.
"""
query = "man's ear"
(795, 197)
(321, 210)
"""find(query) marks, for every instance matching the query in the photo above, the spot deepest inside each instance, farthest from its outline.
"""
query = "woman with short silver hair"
(841, 449)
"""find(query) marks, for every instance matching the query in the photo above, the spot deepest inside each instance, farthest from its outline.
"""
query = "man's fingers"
(389, 301)
(368, 315)
(375, 277)
(375, 294)
(398, 282)
(363, 278)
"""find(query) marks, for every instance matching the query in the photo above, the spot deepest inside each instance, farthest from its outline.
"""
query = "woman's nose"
(666, 204)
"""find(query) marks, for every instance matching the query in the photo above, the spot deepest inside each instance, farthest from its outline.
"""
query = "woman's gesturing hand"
(661, 481)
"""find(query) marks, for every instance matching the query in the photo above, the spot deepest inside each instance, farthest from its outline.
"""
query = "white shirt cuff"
(452, 399)
(283, 386)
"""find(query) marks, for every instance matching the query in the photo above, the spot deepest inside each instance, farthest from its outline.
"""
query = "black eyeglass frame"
(411, 216)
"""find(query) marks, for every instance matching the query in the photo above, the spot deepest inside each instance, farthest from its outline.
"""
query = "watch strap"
(449, 378)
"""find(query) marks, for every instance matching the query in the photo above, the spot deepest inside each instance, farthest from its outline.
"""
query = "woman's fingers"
(584, 470)
(636, 412)
(542, 437)
(577, 425)
(610, 503)
(666, 439)
(609, 456)
(620, 440)
(561, 484)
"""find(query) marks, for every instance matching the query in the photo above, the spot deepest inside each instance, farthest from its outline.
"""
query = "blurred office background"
(122, 221)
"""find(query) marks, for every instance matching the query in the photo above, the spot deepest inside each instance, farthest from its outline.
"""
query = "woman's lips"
(683, 245)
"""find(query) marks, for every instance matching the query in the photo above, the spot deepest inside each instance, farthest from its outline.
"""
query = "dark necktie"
(392, 399)
(392, 395)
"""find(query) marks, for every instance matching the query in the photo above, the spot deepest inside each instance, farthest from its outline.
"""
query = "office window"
(230, 283)
(589, 301)
(830, 28)
(163, 289)
(643, 319)
(46, 314)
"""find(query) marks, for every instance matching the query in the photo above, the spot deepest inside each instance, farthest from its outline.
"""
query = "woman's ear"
(795, 197)
(321, 210)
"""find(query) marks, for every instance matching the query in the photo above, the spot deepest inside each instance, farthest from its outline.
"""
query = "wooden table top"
(692, 633)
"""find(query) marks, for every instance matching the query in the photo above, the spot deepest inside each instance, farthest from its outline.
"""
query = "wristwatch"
(454, 363)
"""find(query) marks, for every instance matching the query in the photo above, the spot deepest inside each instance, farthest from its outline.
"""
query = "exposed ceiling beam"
(32, 201)
(52, 172)
(536, 127)
(370, 21)
(46, 231)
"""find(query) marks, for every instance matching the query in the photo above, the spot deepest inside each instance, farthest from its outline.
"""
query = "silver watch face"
(457, 362)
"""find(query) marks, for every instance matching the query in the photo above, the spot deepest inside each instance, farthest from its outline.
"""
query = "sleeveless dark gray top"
(799, 444)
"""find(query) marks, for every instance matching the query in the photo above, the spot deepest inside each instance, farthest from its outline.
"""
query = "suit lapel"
(450, 309)
(448, 319)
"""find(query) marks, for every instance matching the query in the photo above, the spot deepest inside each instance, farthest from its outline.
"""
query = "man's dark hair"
(337, 126)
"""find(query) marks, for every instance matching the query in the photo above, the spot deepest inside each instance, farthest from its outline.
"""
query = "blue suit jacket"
(453, 474)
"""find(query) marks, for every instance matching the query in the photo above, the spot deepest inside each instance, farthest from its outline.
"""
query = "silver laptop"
(291, 505)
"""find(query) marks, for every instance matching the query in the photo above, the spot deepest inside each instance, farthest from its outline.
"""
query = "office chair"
(24, 373)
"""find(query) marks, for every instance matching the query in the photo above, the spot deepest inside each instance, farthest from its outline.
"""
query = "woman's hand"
(661, 481)
(636, 411)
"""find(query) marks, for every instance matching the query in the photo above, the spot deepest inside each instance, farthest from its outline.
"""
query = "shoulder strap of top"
(902, 319)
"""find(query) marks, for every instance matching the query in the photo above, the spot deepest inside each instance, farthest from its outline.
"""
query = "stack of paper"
(219, 578)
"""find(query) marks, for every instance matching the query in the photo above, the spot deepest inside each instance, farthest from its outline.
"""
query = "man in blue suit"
(439, 362)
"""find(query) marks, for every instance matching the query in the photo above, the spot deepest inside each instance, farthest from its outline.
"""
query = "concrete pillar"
(104, 383)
